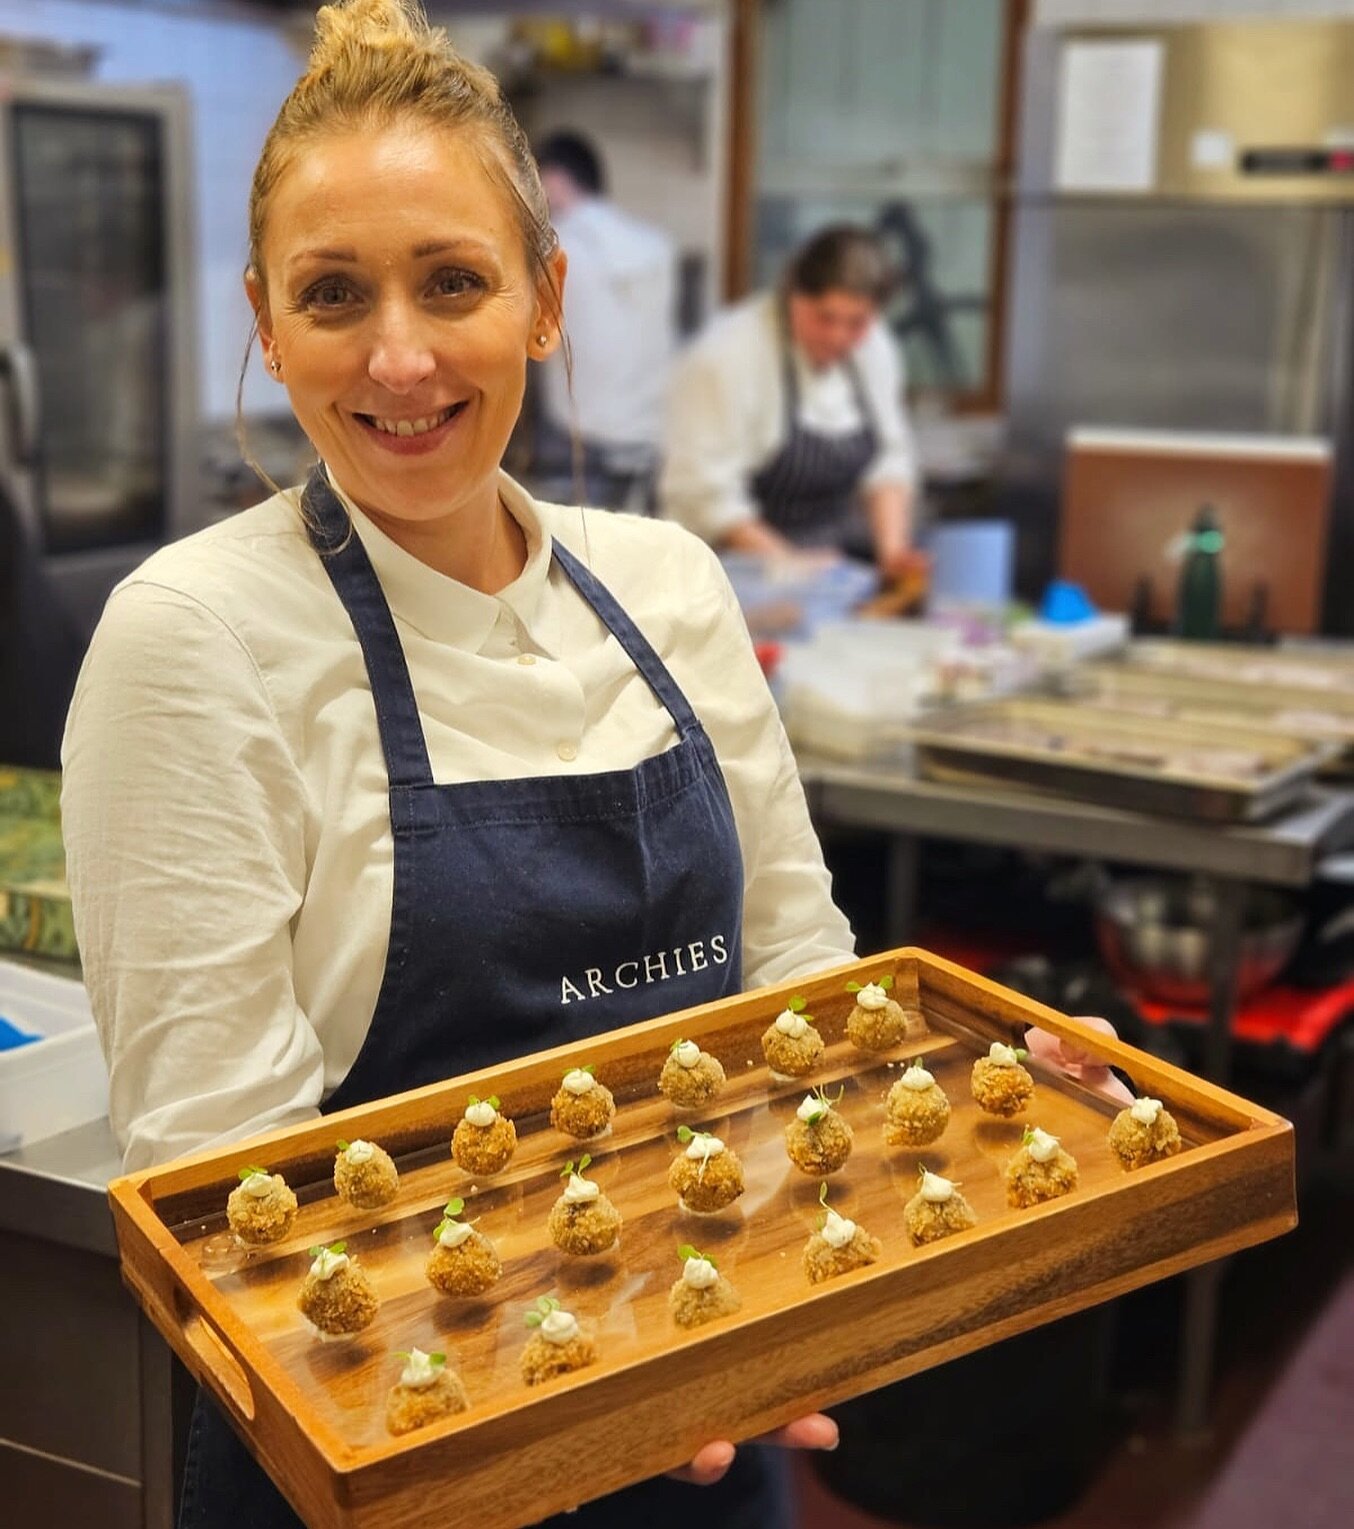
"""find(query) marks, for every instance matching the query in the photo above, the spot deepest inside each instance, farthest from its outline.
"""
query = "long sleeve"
(183, 816)
(882, 374)
(709, 457)
(791, 926)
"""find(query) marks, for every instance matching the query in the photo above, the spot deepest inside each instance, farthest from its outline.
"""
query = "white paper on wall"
(1109, 99)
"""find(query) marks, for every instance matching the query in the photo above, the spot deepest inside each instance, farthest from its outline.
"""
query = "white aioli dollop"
(559, 1327)
(687, 1054)
(258, 1186)
(328, 1263)
(359, 1152)
(482, 1114)
(811, 1106)
(454, 1233)
(699, 1273)
(918, 1078)
(419, 1371)
(579, 1191)
(1002, 1056)
(1042, 1146)
(579, 1082)
(702, 1148)
(837, 1230)
(936, 1189)
(1145, 1111)
(872, 997)
(791, 1024)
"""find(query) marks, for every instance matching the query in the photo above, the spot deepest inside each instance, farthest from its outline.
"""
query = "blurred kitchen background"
(1125, 230)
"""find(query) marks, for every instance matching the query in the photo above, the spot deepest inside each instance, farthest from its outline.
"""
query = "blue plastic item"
(11, 1037)
(1065, 603)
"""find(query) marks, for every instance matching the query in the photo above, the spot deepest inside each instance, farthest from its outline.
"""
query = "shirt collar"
(442, 608)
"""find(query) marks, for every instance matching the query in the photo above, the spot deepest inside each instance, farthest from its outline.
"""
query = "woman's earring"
(276, 366)
(542, 340)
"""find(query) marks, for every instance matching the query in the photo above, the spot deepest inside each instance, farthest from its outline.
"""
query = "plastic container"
(58, 1081)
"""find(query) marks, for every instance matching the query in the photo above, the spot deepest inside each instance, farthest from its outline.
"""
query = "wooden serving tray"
(313, 1411)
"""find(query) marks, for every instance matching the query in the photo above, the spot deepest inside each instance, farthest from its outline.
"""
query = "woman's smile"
(415, 435)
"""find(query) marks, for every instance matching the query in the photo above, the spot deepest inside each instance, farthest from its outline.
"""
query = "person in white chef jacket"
(620, 314)
(785, 426)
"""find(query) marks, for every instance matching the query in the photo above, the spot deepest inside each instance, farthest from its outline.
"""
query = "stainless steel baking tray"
(1157, 764)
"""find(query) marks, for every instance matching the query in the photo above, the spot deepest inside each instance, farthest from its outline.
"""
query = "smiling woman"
(364, 785)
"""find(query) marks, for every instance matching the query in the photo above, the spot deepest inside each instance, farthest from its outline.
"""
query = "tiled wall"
(237, 71)
(1132, 12)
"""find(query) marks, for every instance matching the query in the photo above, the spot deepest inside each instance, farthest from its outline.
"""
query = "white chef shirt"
(224, 804)
(726, 414)
(620, 300)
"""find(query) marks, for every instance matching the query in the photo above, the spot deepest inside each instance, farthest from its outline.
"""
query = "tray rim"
(133, 1196)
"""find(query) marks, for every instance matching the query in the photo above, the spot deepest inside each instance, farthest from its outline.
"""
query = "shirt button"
(567, 751)
(526, 658)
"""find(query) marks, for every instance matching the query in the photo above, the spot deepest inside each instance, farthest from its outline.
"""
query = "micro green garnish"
(545, 1304)
(1028, 1136)
(797, 1004)
(1020, 1053)
(686, 1251)
(453, 1208)
(590, 1069)
(492, 1101)
(685, 1134)
(680, 1041)
(435, 1360)
(342, 1145)
(569, 1168)
(822, 1200)
(886, 982)
(334, 1247)
(917, 1061)
(825, 1103)
(249, 1172)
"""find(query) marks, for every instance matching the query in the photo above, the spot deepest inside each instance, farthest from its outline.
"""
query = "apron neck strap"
(637, 647)
(345, 560)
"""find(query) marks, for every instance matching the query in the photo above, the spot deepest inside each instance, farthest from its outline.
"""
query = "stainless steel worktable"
(87, 1409)
(1288, 851)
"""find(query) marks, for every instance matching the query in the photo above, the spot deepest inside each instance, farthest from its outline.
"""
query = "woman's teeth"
(413, 426)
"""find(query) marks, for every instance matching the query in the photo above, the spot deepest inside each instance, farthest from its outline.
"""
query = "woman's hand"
(813, 1432)
(1068, 1058)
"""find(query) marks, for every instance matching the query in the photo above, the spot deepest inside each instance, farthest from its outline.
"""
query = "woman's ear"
(547, 327)
(253, 290)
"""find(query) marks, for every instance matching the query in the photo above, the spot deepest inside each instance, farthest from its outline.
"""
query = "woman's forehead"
(410, 187)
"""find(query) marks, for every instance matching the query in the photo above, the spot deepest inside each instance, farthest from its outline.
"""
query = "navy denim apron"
(526, 913)
(807, 491)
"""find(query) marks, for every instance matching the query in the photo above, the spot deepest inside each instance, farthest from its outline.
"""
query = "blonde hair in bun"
(377, 62)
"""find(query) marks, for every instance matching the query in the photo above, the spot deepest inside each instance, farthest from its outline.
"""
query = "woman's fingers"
(709, 1466)
(813, 1432)
(1078, 1064)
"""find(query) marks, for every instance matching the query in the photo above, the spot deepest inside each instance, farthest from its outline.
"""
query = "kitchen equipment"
(1118, 760)
(1155, 934)
(1214, 295)
(314, 1413)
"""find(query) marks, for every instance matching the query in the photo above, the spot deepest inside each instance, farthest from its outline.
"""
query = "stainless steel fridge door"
(98, 377)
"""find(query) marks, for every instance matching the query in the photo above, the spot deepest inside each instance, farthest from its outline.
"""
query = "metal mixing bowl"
(1155, 934)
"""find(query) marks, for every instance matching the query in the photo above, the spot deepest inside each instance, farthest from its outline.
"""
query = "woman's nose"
(400, 357)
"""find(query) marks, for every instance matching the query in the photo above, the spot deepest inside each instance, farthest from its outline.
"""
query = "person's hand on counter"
(906, 563)
(1077, 1064)
(817, 1431)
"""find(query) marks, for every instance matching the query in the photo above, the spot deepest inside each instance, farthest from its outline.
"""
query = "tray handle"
(216, 1356)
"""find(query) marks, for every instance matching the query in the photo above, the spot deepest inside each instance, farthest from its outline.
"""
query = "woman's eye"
(456, 283)
(327, 294)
